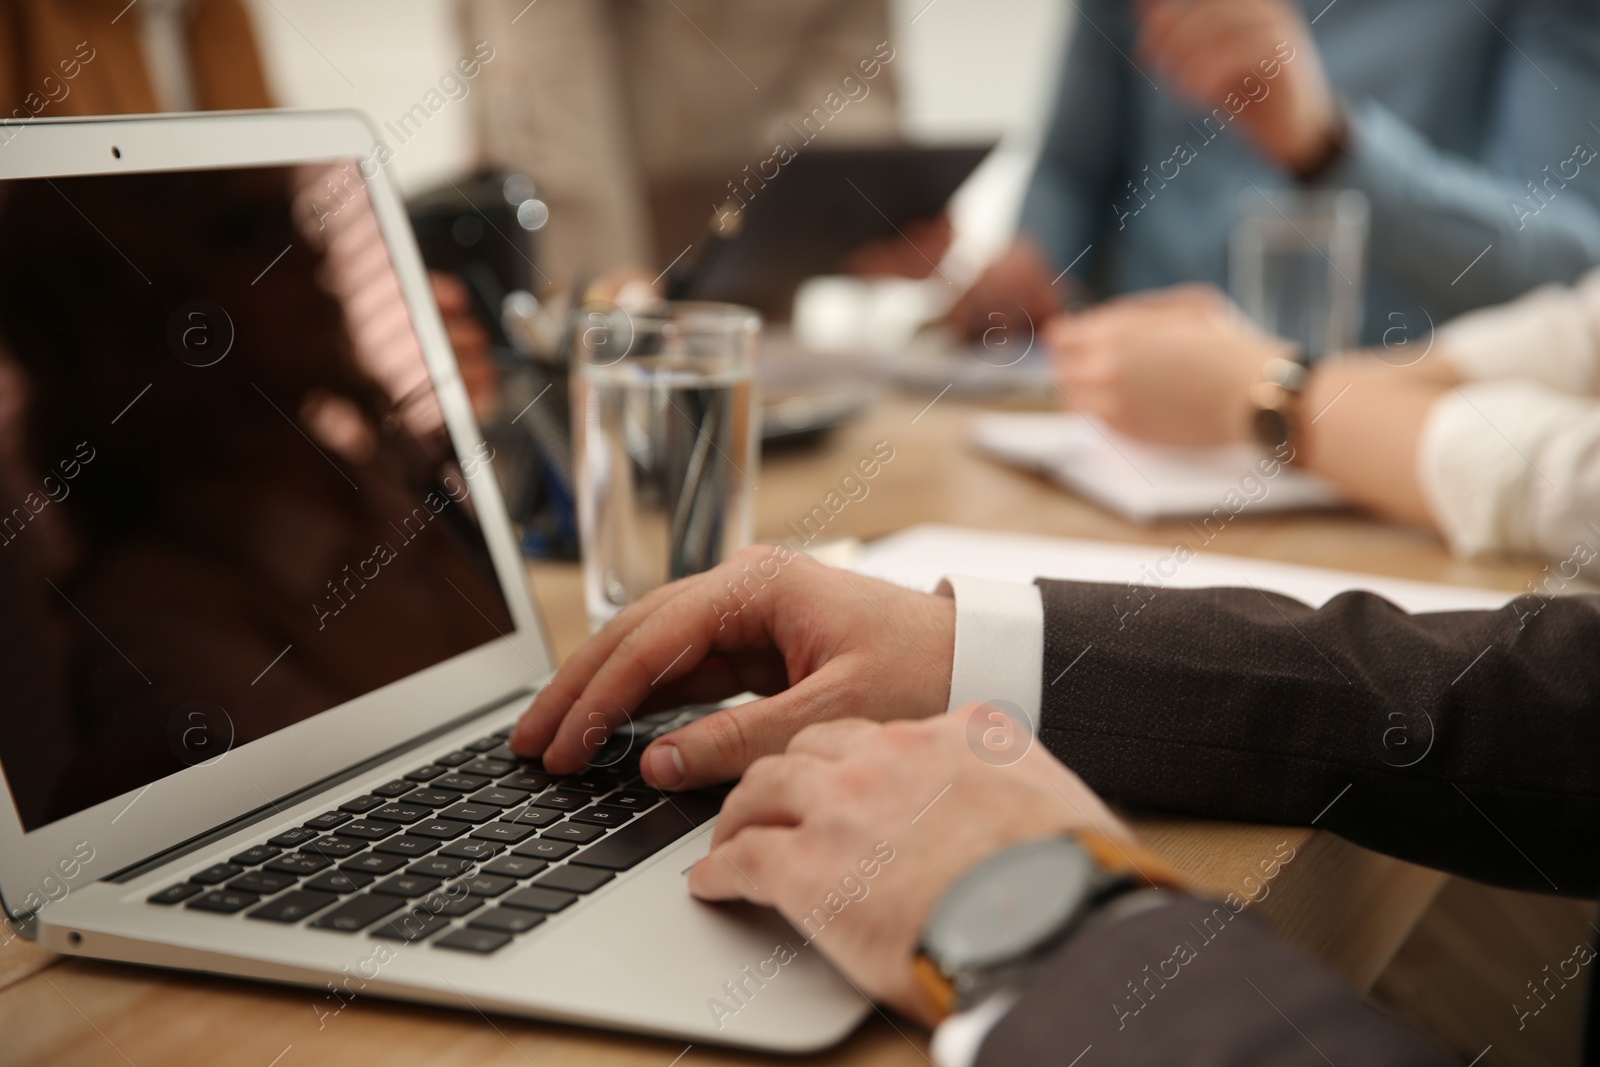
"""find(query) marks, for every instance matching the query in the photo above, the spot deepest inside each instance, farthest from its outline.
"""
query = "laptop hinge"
(265, 811)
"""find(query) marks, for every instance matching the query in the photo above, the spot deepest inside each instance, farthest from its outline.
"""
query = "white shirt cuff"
(1550, 335)
(1513, 466)
(999, 651)
(956, 1041)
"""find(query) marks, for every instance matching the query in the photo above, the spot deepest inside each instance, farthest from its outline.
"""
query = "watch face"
(1009, 904)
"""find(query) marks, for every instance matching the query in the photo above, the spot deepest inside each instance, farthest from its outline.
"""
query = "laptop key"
(563, 801)
(650, 833)
(575, 879)
(633, 801)
(588, 783)
(441, 866)
(412, 927)
(441, 829)
(368, 829)
(489, 768)
(174, 894)
(452, 906)
(392, 789)
(398, 813)
(515, 867)
(356, 913)
(532, 781)
(603, 815)
(224, 901)
(340, 881)
(429, 798)
(216, 873)
(407, 885)
(499, 797)
(460, 783)
(537, 817)
(469, 849)
(427, 773)
(406, 845)
(469, 940)
(328, 820)
(536, 898)
(255, 854)
(507, 833)
(576, 832)
(291, 838)
(484, 744)
(456, 758)
(334, 848)
(470, 812)
(506, 920)
(298, 863)
(372, 863)
(542, 849)
(263, 882)
(361, 805)
(487, 885)
(292, 907)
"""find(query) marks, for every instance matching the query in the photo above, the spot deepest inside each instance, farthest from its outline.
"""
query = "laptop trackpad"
(734, 973)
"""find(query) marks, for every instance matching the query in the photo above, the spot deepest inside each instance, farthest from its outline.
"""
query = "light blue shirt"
(1455, 107)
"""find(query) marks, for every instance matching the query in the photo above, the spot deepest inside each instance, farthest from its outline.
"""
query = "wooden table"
(1352, 907)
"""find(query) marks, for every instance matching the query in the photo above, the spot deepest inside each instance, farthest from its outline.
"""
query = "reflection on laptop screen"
(227, 498)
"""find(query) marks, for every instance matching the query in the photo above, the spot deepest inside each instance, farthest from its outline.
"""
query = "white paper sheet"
(1143, 482)
(920, 556)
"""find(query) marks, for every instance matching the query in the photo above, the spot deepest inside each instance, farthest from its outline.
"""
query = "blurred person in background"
(1466, 125)
(97, 57)
(1488, 431)
(112, 57)
(636, 121)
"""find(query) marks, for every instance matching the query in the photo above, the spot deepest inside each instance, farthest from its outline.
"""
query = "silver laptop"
(267, 627)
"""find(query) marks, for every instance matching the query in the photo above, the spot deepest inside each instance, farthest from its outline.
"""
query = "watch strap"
(1128, 864)
(1129, 859)
(1274, 398)
(937, 989)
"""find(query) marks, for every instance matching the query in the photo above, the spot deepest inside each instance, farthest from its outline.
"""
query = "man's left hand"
(856, 831)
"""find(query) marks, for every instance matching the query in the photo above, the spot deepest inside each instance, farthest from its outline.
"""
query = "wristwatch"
(1274, 401)
(1011, 909)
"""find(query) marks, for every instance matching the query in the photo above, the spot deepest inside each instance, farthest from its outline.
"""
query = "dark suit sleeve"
(1464, 741)
(1193, 978)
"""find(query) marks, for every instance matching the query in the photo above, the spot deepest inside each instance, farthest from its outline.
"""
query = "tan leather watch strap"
(1130, 859)
(932, 983)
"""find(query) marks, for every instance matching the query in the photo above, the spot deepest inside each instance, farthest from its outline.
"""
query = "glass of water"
(666, 429)
(1297, 264)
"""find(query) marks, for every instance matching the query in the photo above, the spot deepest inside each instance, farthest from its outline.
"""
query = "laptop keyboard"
(463, 853)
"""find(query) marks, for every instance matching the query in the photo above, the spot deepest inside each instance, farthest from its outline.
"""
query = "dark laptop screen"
(227, 498)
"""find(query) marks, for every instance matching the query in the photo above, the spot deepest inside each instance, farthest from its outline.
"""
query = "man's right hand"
(817, 643)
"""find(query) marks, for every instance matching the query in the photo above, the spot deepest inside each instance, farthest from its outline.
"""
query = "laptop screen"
(227, 498)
